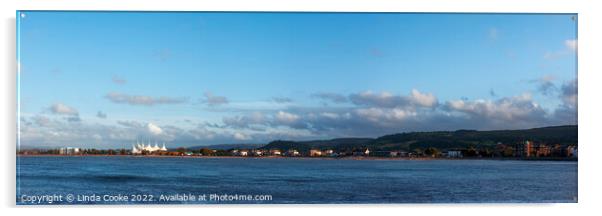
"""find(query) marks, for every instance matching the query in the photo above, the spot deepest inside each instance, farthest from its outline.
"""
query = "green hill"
(564, 135)
(286, 145)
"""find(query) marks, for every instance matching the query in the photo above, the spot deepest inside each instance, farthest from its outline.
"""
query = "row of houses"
(331, 153)
(531, 149)
(69, 150)
(527, 149)
(294, 153)
(260, 152)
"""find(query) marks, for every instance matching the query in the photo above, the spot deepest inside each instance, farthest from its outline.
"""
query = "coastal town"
(522, 150)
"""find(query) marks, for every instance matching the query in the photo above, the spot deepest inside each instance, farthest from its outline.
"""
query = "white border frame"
(589, 79)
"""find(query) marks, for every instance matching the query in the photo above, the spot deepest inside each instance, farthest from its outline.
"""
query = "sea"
(73, 180)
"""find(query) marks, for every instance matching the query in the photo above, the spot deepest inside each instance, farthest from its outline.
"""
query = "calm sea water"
(288, 180)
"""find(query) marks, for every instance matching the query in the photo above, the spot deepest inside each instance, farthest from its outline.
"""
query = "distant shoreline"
(308, 158)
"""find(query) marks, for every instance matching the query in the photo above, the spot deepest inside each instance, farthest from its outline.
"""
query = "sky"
(108, 79)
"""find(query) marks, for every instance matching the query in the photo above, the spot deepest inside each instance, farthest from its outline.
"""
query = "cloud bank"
(213, 100)
(141, 100)
(361, 114)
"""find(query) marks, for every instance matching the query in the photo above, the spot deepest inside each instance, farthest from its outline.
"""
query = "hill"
(564, 135)
(303, 146)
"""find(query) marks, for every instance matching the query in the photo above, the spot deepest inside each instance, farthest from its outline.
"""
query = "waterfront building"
(292, 152)
(571, 151)
(68, 150)
(558, 150)
(454, 154)
(528, 148)
(365, 152)
(543, 150)
(315, 153)
(523, 149)
(140, 147)
(275, 152)
(257, 152)
(243, 153)
(383, 153)
(398, 154)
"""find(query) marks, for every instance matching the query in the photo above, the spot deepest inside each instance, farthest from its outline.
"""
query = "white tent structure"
(139, 147)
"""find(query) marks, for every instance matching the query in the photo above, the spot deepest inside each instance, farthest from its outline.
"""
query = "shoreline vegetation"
(314, 158)
(547, 143)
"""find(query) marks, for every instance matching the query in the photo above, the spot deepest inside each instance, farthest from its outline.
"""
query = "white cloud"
(416, 99)
(571, 44)
(142, 100)
(97, 137)
(330, 115)
(62, 109)
(130, 124)
(384, 114)
(51, 131)
(285, 117)
(241, 136)
(519, 108)
(425, 100)
(381, 113)
(571, 47)
(254, 118)
(154, 129)
(202, 133)
(213, 100)
(41, 120)
(368, 114)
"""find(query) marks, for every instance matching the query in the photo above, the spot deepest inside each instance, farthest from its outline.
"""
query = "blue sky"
(105, 79)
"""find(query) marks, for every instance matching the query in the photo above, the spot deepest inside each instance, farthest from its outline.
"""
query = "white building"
(454, 154)
(257, 152)
(293, 152)
(140, 147)
(315, 153)
(572, 151)
(68, 150)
